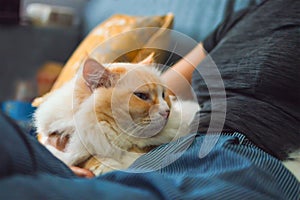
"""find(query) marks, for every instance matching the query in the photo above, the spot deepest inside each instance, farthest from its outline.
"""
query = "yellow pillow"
(106, 43)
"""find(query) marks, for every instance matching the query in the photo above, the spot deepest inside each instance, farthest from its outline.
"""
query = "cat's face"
(132, 94)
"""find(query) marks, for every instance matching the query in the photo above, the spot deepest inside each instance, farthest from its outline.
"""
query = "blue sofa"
(194, 18)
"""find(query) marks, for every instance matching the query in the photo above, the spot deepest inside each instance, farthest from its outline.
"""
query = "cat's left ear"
(148, 60)
(96, 75)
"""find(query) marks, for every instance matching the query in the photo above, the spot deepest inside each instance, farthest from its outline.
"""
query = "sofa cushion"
(119, 37)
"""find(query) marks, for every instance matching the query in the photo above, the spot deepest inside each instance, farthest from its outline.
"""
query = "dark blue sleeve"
(45, 186)
(23, 154)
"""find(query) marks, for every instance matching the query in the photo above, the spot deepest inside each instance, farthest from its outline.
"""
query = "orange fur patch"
(119, 70)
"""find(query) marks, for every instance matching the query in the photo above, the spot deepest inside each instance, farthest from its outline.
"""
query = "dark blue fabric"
(234, 169)
(22, 154)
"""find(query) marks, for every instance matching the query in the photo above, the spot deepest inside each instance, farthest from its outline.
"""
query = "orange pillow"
(106, 44)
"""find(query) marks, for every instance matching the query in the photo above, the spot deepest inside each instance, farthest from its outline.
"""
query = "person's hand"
(59, 142)
(81, 172)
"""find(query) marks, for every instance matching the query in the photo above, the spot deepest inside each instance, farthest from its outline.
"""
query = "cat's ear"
(148, 60)
(96, 75)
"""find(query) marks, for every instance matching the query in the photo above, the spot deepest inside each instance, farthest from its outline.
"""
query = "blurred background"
(38, 36)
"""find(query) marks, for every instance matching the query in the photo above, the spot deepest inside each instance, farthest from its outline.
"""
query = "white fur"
(60, 114)
(55, 114)
(294, 165)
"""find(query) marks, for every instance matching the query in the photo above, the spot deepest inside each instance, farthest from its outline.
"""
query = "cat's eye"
(141, 95)
(163, 95)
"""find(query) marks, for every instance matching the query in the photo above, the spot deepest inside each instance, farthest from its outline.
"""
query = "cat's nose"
(165, 113)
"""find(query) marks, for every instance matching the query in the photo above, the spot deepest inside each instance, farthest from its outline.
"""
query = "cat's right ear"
(96, 75)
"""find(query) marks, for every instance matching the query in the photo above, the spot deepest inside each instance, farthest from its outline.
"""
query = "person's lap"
(23, 154)
(234, 168)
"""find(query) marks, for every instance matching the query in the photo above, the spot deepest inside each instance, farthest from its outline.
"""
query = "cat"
(114, 112)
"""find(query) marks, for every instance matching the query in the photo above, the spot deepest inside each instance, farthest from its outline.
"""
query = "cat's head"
(131, 96)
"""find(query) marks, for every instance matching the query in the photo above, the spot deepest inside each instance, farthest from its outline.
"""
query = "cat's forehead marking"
(150, 88)
(119, 70)
(126, 67)
(137, 77)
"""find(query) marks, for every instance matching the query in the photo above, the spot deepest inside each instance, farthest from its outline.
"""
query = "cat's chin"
(149, 131)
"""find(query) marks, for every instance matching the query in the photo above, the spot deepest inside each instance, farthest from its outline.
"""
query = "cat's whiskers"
(149, 120)
(135, 126)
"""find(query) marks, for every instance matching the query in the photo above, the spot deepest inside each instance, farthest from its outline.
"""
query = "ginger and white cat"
(114, 112)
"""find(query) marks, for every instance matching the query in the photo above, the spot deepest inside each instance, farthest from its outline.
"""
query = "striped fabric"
(234, 169)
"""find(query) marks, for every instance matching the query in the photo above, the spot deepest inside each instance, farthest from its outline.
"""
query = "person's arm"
(179, 76)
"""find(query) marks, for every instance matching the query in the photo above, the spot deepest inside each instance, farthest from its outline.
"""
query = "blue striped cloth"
(233, 169)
